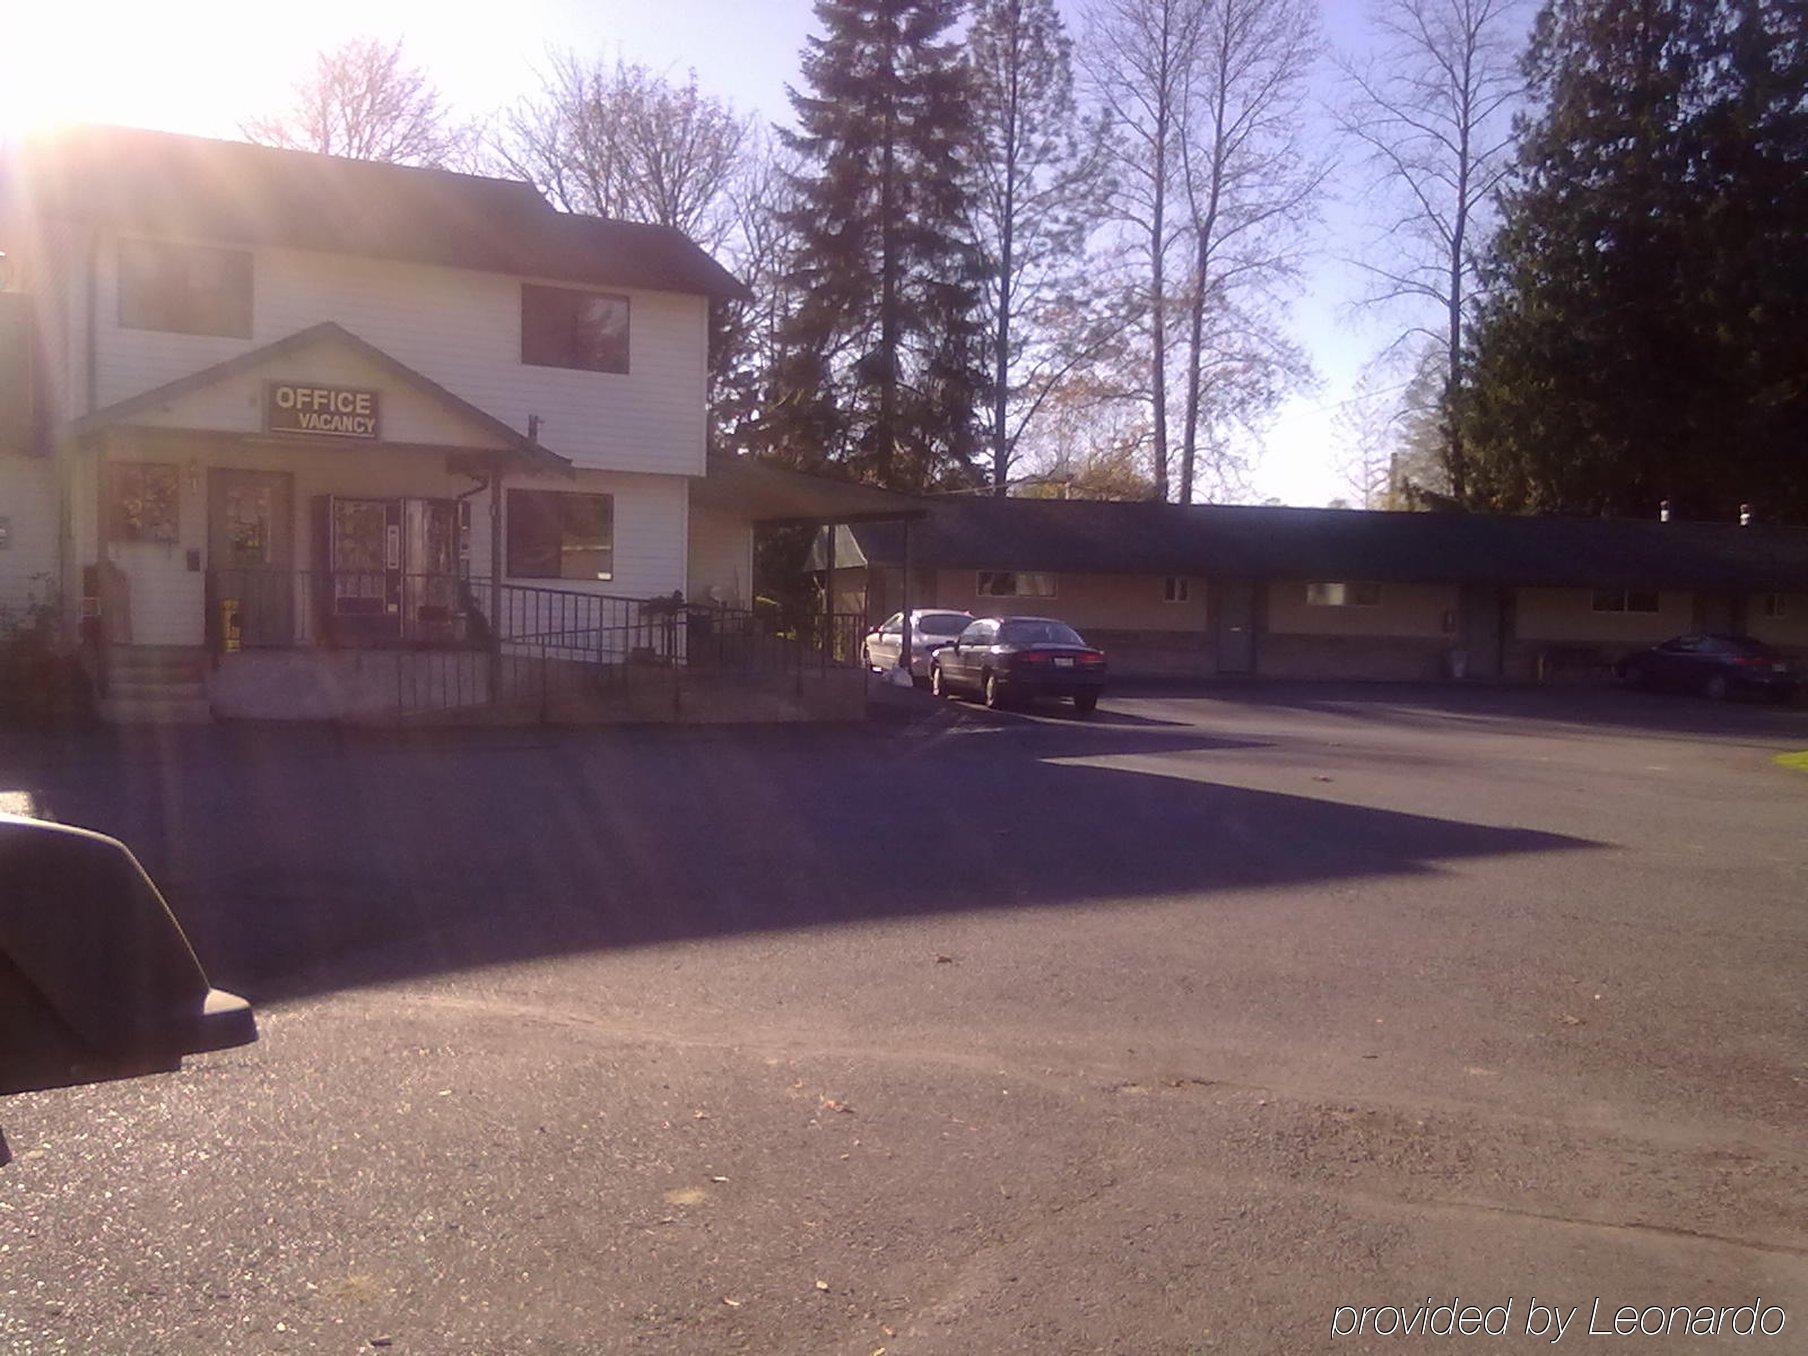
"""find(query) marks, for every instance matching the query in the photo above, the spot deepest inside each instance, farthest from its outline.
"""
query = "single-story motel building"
(1208, 590)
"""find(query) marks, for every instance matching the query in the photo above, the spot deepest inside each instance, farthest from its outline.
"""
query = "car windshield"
(1741, 645)
(942, 623)
(1038, 633)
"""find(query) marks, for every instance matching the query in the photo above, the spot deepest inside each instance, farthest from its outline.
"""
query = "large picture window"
(1015, 584)
(142, 501)
(562, 327)
(553, 534)
(184, 289)
(1343, 594)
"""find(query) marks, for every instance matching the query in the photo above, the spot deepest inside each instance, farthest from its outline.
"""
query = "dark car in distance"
(1005, 659)
(1715, 666)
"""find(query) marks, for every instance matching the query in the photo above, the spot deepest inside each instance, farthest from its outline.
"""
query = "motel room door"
(1233, 609)
(251, 556)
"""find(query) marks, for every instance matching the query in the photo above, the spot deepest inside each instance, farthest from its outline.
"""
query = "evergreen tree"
(1648, 333)
(881, 357)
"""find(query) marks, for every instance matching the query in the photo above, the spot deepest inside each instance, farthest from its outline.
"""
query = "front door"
(1234, 630)
(251, 556)
(1483, 610)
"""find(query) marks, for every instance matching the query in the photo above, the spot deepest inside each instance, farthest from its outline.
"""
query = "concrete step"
(144, 662)
(156, 710)
(140, 687)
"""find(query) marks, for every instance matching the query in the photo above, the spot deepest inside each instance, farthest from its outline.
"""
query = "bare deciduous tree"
(1040, 169)
(1140, 58)
(364, 101)
(622, 141)
(1250, 183)
(1432, 110)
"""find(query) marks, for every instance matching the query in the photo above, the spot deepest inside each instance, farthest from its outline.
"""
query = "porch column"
(828, 594)
(496, 563)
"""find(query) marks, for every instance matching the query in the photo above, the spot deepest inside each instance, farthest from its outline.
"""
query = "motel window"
(1343, 594)
(561, 327)
(1774, 606)
(1175, 589)
(1015, 584)
(184, 289)
(141, 501)
(1625, 600)
(553, 534)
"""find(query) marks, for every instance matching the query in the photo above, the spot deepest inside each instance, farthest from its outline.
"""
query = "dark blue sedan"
(1715, 666)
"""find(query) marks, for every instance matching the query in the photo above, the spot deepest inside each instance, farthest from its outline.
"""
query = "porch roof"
(524, 450)
(767, 493)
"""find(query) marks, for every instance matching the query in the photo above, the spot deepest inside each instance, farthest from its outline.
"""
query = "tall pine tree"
(1647, 337)
(881, 364)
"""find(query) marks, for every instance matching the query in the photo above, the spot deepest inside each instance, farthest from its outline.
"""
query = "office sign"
(336, 411)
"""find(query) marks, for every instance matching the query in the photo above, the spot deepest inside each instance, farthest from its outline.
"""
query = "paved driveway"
(1175, 1030)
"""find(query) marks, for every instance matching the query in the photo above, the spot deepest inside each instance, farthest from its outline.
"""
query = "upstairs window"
(1014, 584)
(1175, 589)
(1625, 600)
(1774, 606)
(562, 327)
(1343, 594)
(184, 289)
(553, 534)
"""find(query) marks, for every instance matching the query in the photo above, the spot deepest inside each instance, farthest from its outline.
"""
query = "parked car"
(97, 979)
(1003, 659)
(929, 627)
(1716, 666)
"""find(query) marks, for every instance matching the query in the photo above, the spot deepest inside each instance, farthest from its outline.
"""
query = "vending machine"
(394, 570)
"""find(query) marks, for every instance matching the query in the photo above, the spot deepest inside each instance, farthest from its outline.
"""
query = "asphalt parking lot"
(1174, 1030)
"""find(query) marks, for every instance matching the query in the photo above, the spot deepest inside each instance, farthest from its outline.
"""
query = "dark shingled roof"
(1090, 536)
(160, 183)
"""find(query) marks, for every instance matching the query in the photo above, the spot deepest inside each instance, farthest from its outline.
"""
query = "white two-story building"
(349, 411)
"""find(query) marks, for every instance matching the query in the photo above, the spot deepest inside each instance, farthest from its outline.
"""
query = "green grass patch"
(1798, 761)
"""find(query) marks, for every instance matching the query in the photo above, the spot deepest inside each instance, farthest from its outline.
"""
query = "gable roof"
(1225, 540)
(160, 183)
(327, 332)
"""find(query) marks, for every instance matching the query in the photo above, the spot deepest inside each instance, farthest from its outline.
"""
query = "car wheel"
(1086, 703)
(938, 686)
(1717, 689)
(993, 693)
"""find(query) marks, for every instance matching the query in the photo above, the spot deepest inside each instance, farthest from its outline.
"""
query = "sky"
(202, 66)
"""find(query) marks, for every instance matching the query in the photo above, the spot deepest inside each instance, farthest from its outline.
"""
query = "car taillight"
(1753, 661)
(1092, 660)
(1034, 657)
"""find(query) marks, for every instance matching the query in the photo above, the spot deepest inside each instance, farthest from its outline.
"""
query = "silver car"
(929, 627)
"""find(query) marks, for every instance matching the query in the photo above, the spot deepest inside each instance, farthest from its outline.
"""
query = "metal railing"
(468, 641)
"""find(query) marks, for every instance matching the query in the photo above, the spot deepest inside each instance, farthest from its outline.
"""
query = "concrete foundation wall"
(329, 685)
(368, 687)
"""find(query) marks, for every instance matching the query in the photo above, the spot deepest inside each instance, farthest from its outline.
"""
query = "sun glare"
(184, 67)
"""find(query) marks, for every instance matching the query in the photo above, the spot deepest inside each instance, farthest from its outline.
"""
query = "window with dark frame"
(1775, 606)
(563, 327)
(142, 501)
(558, 534)
(1175, 589)
(1625, 600)
(1014, 584)
(184, 289)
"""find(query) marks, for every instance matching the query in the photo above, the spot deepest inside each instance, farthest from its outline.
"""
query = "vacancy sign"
(337, 411)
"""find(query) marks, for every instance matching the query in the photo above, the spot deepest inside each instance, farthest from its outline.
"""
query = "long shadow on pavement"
(304, 860)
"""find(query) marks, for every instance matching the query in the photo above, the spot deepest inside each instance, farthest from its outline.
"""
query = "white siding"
(28, 499)
(463, 330)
